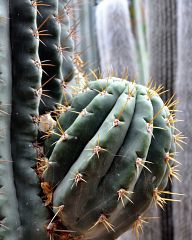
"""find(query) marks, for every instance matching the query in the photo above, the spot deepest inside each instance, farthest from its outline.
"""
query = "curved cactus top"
(108, 157)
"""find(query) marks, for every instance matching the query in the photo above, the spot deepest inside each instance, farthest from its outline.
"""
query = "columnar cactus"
(27, 90)
(8, 201)
(85, 171)
(116, 42)
(35, 30)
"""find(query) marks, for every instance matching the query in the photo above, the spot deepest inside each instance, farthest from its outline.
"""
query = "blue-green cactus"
(82, 171)
(123, 142)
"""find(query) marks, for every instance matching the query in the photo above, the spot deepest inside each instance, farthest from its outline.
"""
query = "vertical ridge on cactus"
(26, 81)
(112, 166)
(10, 221)
(48, 52)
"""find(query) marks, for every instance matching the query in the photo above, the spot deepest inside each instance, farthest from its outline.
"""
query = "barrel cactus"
(87, 169)
(110, 155)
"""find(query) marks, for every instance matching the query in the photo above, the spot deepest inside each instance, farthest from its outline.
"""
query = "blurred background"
(144, 40)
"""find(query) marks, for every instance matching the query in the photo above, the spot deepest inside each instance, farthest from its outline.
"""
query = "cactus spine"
(49, 54)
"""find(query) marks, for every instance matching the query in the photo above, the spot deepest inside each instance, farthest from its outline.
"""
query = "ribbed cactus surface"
(110, 158)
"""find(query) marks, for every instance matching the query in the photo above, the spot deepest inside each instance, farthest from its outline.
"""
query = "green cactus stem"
(26, 97)
(49, 54)
(55, 52)
(10, 222)
(114, 178)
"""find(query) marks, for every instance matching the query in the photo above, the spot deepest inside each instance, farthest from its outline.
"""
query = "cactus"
(86, 39)
(102, 180)
(8, 201)
(27, 75)
(32, 47)
(55, 52)
(79, 171)
(115, 39)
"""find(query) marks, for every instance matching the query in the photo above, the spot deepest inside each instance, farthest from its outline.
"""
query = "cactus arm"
(86, 45)
(161, 142)
(162, 42)
(10, 222)
(67, 118)
(182, 215)
(89, 125)
(48, 51)
(26, 82)
(99, 15)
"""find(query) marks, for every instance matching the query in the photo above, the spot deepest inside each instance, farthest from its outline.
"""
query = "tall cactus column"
(115, 38)
(49, 54)
(10, 223)
(55, 52)
(26, 97)
(66, 47)
(86, 42)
